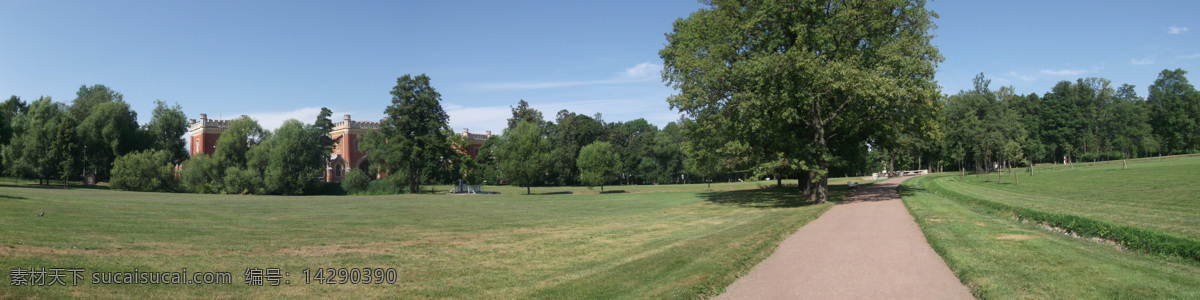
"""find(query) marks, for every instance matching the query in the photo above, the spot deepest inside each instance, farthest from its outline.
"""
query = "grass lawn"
(999, 257)
(1162, 195)
(623, 245)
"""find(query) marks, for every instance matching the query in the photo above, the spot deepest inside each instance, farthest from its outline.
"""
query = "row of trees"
(1085, 120)
(47, 140)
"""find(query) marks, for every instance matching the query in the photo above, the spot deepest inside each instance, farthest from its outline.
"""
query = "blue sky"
(286, 59)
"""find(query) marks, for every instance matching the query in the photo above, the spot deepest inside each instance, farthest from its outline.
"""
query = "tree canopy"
(413, 140)
(598, 164)
(824, 74)
(524, 155)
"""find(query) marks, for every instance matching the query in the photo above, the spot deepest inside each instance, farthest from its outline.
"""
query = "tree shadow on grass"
(55, 186)
(760, 198)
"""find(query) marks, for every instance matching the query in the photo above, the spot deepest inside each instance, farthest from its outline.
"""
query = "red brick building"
(346, 154)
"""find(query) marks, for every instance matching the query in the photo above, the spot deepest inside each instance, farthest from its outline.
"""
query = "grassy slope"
(658, 245)
(1162, 195)
(998, 257)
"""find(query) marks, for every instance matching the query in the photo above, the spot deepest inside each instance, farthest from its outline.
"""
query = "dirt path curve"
(867, 247)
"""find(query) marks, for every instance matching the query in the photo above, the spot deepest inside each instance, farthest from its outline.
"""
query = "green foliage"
(814, 76)
(8, 111)
(243, 181)
(411, 142)
(202, 174)
(384, 186)
(89, 98)
(355, 182)
(598, 164)
(326, 125)
(524, 113)
(166, 129)
(109, 130)
(296, 159)
(145, 171)
(237, 139)
(34, 132)
(64, 151)
(524, 155)
(1175, 110)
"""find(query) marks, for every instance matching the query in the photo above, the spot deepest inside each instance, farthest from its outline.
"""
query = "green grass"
(1161, 195)
(623, 245)
(999, 257)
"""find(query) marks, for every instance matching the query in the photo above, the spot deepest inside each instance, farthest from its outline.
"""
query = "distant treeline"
(1089, 119)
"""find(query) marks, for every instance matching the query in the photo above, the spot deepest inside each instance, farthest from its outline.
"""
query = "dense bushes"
(145, 171)
(1131, 237)
(355, 182)
(202, 174)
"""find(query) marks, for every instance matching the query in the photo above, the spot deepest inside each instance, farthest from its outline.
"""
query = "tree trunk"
(527, 191)
(778, 181)
(822, 191)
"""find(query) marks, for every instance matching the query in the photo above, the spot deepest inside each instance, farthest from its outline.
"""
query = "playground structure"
(462, 188)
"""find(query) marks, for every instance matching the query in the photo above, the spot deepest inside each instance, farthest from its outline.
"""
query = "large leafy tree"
(88, 98)
(1175, 110)
(34, 133)
(598, 164)
(8, 111)
(413, 140)
(822, 72)
(108, 128)
(524, 155)
(166, 129)
(236, 141)
(295, 159)
(525, 113)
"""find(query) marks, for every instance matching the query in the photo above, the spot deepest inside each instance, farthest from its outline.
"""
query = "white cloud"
(1024, 78)
(1064, 72)
(1176, 30)
(642, 72)
(1141, 62)
(1191, 56)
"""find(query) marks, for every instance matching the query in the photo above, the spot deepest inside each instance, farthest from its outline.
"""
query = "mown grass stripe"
(1131, 237)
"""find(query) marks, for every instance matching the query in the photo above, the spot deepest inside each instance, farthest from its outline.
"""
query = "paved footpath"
(867, 247)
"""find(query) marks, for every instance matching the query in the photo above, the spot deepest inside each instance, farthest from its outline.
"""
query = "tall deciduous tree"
(1175, 107)
(819, 71)
(524, 155)
(412, 142)
(235, 142)
(295, 160)
(166, 129)
(108, 128)
(34, 133)
(598, 164)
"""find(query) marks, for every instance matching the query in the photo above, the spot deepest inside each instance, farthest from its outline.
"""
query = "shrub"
(243, 181)
(144, 171)
(385, 186)
(202, 174)
(355, 182)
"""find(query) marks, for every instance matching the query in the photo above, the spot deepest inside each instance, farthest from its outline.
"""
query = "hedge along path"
(866, 247)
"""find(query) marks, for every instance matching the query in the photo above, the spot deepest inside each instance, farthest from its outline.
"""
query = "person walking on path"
(866, 247)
